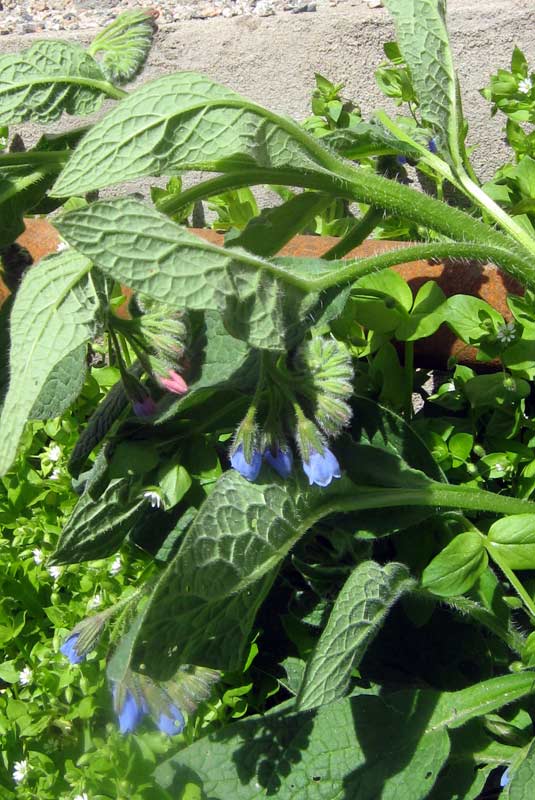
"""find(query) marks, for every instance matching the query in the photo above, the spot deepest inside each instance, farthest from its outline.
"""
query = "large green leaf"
(53, 315)
(48, 79)
(186, 121)
(148, 252)
(356, 617)
(362, 748)
(423, 40)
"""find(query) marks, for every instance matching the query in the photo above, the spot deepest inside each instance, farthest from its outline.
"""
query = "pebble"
(30, 16)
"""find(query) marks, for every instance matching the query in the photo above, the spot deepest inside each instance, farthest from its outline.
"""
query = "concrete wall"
(273, 59)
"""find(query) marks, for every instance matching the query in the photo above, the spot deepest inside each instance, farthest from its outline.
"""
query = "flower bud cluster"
(158, 336)
(307, 401)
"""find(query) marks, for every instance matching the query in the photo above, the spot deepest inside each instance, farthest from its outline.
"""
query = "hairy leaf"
(145, 250)
(423, 40)
(107, 412)
(53, 315)
(63, 386)
(97, 526)
(358, 612)
(49, 78)
(124, 45)
(186, 121)
(365, 747)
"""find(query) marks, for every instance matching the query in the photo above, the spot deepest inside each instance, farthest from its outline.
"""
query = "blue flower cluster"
(320, 468)
(131, 705)
(131, 710)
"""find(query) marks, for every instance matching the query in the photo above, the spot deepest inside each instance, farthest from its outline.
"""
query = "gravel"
(35, 16)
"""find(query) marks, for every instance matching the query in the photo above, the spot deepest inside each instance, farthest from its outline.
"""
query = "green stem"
(352, 270)
(59, 157)
(360, 231)
(434, 494)
(514, 581)
(408, 370)
(252, 177)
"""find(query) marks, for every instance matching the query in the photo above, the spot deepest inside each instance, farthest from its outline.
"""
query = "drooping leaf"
(457, 567)
(100, 422)
(513, 539)
(48, 79)
(186, 121)
(423, 40)
(98, 525)
(261, 301)
(124, 45)
(365, 747)
(357, 614)
(53, 315)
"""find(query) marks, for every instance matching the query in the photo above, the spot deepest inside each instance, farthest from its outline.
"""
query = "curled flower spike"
(321, 468)
(249, 469)
(174, 382)
(281, 461)
(69, 649)
(172, 722)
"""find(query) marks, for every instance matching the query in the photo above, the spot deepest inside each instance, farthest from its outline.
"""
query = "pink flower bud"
(174, 382)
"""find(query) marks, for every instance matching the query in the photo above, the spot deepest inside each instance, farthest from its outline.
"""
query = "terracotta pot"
(487, 282)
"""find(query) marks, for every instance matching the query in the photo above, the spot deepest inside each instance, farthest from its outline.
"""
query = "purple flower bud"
(432, 146)
(68, 648)
(321, 468)
(505, 778)
(401, 160)
(281, 462)
(144, 408)
(248, 469)
(172, 722)
(130, 713)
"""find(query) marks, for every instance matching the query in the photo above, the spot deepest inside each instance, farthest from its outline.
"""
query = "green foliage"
(304, 528)
(48, 79)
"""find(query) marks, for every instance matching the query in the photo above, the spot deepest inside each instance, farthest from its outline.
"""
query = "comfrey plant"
(235, 356)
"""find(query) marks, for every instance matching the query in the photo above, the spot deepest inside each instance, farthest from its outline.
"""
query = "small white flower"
(95, 601)
(20, 771)
(61, 247)
(155, 499)
(116, 566)
(499, 468)
(54, 475)
(506, 333)
(525, 86)
(25, 676)
(54, 454)
(54, 572)
(82, 796)
(37, 555)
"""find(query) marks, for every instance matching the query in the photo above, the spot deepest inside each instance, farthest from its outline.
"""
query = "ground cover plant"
(270, 571)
